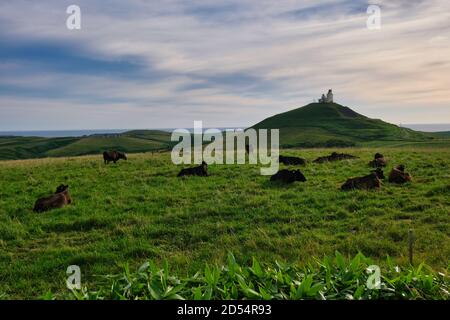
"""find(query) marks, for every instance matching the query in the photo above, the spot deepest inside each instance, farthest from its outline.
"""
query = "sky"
(163, 64)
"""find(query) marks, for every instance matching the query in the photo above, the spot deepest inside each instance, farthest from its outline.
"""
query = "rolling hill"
(334, 125)
(37, 147)
(314, 125)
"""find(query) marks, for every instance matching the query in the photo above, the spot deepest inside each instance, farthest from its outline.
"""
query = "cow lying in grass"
(371, 181)
(398, 175)
(378, 161)
(334, 157)
(292, 161)
(201, 170)
(113, 156)
(58, 200)
(288, 176)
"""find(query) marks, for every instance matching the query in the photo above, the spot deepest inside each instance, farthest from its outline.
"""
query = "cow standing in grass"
(371, 181)
(113, 156)
(58, 200)
(201, 170)
(398, 175)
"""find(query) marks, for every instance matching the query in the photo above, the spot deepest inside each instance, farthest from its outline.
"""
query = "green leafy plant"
(330, 278)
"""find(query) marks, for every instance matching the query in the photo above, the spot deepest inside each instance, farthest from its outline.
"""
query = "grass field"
(13, 148)
(138, 210)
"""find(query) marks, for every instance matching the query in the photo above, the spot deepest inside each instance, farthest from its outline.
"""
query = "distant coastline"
(440, 127)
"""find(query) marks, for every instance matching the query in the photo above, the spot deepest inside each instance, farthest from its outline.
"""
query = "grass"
(334, 125)
(137, 210)
(314, 125)
(333, 278)
(12, 148)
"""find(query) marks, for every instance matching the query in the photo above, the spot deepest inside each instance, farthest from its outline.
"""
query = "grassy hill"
(331, 124)
(138, 209)
(314, 125)
(442, 134)
(36, 147)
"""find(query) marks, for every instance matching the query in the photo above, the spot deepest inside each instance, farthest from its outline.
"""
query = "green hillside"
(331, 124)
(311, 126)
(138, 210)
(442, 134)
(37, 147)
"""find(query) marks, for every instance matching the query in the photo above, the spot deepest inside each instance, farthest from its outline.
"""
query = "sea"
(428, 127)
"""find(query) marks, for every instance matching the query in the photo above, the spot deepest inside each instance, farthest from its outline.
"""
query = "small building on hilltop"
(328, 98)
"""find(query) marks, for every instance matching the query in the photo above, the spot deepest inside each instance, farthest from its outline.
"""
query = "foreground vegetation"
(331, 278)
(137, 210)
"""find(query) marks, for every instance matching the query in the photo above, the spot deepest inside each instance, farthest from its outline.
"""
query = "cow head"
(62, 188)
(122, 155)
(299, 176)
(379, 173)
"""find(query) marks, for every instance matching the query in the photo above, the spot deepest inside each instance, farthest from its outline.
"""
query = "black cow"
(295, 161)
(334, 157)
(113, 156)
(201, 170)
(288, 176)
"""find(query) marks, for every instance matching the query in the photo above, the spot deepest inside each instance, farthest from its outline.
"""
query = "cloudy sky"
(164, 64)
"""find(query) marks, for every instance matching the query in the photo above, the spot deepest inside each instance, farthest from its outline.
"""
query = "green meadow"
(138, 210)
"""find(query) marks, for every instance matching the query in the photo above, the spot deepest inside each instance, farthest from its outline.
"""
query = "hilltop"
(38, 147)
(332, 124)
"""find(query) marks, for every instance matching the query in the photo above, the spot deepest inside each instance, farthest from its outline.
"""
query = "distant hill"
(442, 134)
(314, 125)
(37, 147)
(334, 125)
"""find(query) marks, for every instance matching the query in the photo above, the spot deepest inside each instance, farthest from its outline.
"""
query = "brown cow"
(201, 170)
(58, 200)
(378, 161)
(398, 175)
(371, 181)
(113, 156)
(334, 157)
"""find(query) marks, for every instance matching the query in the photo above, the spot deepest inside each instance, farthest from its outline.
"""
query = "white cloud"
(292, 55)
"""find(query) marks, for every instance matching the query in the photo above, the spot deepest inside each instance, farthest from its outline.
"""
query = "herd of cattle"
(397, 175)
